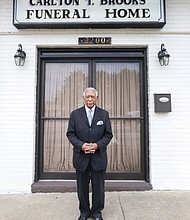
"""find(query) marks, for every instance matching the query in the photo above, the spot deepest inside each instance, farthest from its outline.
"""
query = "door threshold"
(62, 186)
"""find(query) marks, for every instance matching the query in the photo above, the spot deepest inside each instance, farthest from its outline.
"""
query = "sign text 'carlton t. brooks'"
(89, 13)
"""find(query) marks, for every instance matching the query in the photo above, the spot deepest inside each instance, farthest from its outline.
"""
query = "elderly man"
(89, 131)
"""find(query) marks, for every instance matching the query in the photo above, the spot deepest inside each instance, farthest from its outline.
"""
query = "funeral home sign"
(88, 13)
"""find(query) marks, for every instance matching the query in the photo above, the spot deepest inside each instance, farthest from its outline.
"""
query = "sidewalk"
(148, 205)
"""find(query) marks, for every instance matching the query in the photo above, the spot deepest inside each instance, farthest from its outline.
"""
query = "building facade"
(151, 146)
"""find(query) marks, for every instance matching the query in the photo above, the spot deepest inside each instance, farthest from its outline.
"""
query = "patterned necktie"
(89, 116)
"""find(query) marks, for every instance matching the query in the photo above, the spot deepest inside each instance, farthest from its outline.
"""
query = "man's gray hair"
(90, 88)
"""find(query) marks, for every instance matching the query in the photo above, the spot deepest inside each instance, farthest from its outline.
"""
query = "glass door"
(119, 82)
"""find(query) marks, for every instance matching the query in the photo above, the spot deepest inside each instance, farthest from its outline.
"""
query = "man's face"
(90, 98)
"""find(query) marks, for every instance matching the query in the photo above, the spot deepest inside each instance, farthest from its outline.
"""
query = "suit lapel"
(84, 116)
(96, 115)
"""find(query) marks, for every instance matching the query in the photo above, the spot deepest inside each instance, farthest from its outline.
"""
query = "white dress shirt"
(92, 110)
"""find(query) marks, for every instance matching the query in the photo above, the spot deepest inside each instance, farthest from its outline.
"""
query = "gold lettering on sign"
(94, 40)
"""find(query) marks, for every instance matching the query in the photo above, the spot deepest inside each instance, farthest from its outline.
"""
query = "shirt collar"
(92, 110)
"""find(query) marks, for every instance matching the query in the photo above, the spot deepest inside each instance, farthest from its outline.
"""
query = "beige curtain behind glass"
(119, 89)
(64, 83)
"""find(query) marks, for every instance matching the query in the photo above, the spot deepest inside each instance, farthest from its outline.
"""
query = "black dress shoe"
(98, 218)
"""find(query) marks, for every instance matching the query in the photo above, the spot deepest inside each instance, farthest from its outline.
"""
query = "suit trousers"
(97, 179)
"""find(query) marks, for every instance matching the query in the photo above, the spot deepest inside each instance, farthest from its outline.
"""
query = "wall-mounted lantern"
(163, 56)
(20, 56)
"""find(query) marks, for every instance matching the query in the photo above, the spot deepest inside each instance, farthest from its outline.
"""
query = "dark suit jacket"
(80, 132)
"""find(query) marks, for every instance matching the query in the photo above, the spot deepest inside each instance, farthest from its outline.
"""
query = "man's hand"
(89, 148)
